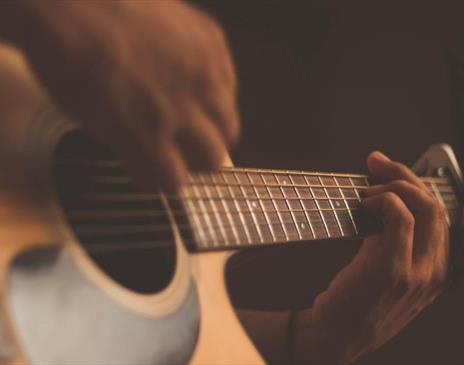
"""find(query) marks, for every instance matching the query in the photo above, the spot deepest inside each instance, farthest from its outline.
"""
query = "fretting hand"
(392, 278)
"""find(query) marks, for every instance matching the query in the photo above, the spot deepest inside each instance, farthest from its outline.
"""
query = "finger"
(154, 163)
(221, 107)
(428, 214)
(200, 142)
(398, 225)
(384, 169)
(224, 62)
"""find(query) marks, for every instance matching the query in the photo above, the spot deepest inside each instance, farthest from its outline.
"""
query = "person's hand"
(152, 79)
(393, 277)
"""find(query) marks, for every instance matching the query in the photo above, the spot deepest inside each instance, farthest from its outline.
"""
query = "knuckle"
(407, 220)
(401, 283)
(402, 169)
(438, 210)
(212, 160)
(420, 284)
(400, 185)
(433, 210)
(403, 219)
(396, 212)
(391, 200)
(214, 28)
(437, 282)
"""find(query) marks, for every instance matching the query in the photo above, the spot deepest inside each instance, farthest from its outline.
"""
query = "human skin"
(392, 278)
(155, 81)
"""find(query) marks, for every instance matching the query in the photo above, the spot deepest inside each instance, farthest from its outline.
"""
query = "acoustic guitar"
(78, 242)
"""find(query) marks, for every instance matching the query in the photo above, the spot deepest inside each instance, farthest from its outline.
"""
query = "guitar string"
(213, 229)
(103, 213)
(137, 196)
(438, 181)
(216, 242)
(124, 180)
(116, 163)
(189, 213)
(102, 180)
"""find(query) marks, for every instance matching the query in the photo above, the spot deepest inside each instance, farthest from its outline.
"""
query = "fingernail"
(380, 156)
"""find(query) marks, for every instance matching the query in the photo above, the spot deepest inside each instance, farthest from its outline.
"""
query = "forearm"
(312, 343)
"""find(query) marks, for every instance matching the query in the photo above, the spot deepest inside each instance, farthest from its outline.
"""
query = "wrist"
(312, 343)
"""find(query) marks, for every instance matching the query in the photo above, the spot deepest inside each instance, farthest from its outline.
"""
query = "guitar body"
(56, 305)
(62, 217)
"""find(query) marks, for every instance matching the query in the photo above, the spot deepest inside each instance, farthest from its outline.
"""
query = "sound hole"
(127, 233)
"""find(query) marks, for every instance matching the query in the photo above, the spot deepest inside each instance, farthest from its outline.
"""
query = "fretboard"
(237, 207)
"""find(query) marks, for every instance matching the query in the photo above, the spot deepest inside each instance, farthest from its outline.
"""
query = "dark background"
(321, 85)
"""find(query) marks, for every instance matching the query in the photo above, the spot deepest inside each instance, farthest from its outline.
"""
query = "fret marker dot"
(302, 225)
(337, 204)
(284, 182)
(254, 205)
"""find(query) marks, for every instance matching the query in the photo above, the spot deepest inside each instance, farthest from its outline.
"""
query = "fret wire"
(280, 172)
(181, 226)
(201, 225)
(319, 208)
(190, 199)
(305, 210)
(297, 224)
(208, 220)
(200, 231)
(355, 190)
(216, 215)
(332, 206)
(300, 226)
(277, 231)
(168, 227)
(355, 226)
(285, 183)
(189, 242)
(274, 238)
(258, 228)
(446, 188)
(77, 215)
(229, 216)
(141, 196)
(284, 228)
(276, 209)
(440, 187)
(259, 206)
(315, 173)
(151, 228)
(80, 214)
(240, 215)
(306, 213)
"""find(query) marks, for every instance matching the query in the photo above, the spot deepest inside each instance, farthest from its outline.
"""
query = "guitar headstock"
(440, 164)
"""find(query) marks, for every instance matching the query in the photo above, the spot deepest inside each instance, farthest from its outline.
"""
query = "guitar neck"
(239, 207)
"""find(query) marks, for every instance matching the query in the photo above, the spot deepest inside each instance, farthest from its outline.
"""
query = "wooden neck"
(238, 207)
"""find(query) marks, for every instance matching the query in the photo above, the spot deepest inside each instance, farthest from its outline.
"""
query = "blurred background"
(322, 83)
